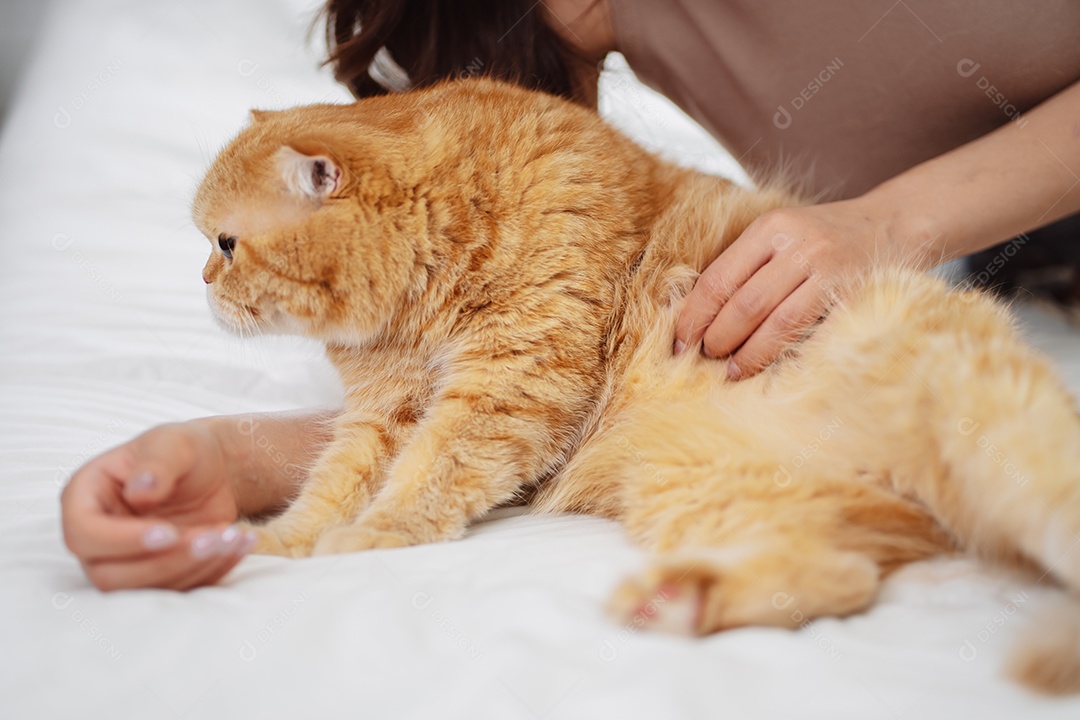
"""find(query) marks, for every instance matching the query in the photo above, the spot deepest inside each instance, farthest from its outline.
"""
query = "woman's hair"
(432, 40)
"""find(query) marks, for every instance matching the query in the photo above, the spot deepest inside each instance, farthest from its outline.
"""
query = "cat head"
(309, 223)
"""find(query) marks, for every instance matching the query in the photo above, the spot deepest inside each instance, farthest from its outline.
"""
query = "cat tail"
(1046, 656)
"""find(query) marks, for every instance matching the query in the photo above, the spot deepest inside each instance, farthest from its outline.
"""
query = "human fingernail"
(248, 543)
(208, 543)
(160, 536)
(230, 535)
(143, 482)
(218, 542)
(733, 371)
(679, 346)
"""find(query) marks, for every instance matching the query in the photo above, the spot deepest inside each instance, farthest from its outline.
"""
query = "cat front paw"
(271, 541)
(354, 538)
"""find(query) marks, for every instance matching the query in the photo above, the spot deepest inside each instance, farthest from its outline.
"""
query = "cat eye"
(227, 243)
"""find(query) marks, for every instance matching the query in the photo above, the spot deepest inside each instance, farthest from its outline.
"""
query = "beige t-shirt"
(851, 91)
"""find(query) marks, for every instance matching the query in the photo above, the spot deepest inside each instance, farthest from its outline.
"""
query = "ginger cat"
(496, 274)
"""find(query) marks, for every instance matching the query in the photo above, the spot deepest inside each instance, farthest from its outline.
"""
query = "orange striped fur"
(496, 275)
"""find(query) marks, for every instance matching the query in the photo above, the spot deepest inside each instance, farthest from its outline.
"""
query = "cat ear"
(257, 116)
(311, 176)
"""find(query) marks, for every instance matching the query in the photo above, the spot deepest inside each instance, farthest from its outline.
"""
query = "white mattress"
(104, 332)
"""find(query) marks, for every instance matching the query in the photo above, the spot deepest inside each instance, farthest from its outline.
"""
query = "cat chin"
(237, 322)
(235, 326)
(236, 319)
(264, 324)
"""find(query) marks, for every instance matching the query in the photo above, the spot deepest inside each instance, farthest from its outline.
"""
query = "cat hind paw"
(660, 602)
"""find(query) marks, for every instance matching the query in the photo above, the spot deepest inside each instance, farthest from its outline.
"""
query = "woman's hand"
(156, 511)
(777, 279)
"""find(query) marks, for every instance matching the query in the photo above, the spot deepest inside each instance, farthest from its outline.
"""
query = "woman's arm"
(269, 454)
(780, 275)
(1024, 175)
(160, 510)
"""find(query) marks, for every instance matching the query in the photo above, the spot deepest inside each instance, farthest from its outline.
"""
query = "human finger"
(160, 460)
(750, 305)
(202, 551)
(95, 522)
(719, 281)
(787, 323)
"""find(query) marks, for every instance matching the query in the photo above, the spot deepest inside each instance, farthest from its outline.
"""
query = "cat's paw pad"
(654, 601)
(350, 538)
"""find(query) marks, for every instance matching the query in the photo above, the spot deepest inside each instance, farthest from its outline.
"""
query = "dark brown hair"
(432, 40)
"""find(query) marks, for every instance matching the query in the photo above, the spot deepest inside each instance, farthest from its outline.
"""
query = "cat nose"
(211, 268)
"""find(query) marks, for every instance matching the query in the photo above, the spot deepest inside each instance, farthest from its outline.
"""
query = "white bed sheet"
(104, 332)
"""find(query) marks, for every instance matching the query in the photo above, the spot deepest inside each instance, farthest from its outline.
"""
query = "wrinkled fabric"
(104, 332)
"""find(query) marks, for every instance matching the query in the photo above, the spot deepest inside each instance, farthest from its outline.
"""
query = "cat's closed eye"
(227, 243)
